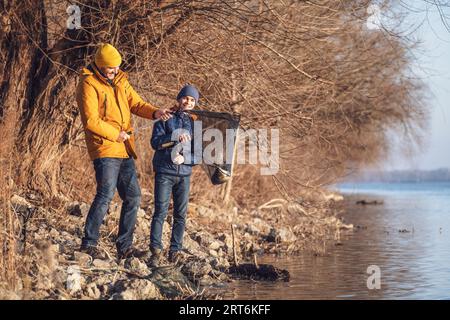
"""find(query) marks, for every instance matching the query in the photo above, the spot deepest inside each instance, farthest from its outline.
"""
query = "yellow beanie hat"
(107, 56)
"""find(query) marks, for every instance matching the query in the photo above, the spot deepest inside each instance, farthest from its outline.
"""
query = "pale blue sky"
(433, 66)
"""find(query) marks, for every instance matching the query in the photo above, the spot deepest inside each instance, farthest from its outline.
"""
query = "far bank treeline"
(437, 175)
(313, 70)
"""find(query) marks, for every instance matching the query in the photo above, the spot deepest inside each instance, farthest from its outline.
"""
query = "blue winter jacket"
(163, 142)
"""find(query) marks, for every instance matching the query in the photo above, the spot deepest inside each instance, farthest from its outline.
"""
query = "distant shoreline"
(401, 176)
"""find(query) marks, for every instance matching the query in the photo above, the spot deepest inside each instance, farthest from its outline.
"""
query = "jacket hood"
(91, 70)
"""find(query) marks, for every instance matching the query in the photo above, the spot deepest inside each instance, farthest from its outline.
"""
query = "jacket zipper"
(118, 105)
(104, 105)
(178, 165)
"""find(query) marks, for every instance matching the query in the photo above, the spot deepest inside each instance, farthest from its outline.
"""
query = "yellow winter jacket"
(106, 110)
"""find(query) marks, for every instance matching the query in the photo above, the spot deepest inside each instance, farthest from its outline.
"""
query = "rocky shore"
(51, 267)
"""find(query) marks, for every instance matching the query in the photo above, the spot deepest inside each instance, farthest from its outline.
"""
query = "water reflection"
(408, 237)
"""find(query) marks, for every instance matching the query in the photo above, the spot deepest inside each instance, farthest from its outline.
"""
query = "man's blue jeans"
(112, 173)
(165, 185)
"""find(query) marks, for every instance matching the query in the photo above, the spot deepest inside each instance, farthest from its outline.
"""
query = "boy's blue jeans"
(112, 173)
(164, 186)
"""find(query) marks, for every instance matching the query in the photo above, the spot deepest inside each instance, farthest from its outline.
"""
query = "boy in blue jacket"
(172, 174)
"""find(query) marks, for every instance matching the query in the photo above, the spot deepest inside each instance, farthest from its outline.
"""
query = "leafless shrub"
(308, 68)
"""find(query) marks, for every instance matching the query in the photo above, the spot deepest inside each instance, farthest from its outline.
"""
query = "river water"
(398, 250)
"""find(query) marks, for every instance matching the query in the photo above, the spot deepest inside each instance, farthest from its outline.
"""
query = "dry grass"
(332, 88)
(9, 261)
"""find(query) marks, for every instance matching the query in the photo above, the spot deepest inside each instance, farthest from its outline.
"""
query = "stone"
(113, 208)
(33, 196)
(136, 289)
(251, 229)
(38, 237)
(204, 211)
(261, 225)
(44, 283)
(54, 233)
(215, 245)
(19, 203)
(74, 280)
(203, 238)
(220, 264)
(103, 280)
(102, 264)
(59, 277)
(67, 236)
(21, 206)
(256, 247)
(9, 295)
(333, 196)
(141, 213)
(78, 209)
(82, 258)
(228, 240)
(344, 226)
(142, 228)
(286, 235)
(281, 235)
(104, 289)
(146, 197)
(191, 245)
(170, 281)
(136, 266)
(194, 270)
(206, 281)
(84, 207)
(213, 253)
(92, 291)
(248, 246)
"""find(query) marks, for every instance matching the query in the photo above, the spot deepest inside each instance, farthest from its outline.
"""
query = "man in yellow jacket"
(106, 101)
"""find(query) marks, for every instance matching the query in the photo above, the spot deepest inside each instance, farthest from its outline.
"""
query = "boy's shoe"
(175, 257)
(155, 259)
(93, 251)
(131, 253)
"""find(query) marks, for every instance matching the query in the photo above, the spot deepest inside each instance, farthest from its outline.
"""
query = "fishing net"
(216, 125)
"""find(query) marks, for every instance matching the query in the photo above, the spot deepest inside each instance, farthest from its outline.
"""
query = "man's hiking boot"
(175, 257)
(155, 259)
(93, 251)
(131, 253)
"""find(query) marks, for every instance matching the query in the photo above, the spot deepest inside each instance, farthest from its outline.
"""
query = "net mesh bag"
(220, 169)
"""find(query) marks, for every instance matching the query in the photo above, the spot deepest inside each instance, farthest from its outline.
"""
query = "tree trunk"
(36, 84)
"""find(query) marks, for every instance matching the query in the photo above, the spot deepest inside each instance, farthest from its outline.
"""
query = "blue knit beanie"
(189, 90)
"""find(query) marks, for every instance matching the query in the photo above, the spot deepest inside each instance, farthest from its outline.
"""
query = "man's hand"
(163, 114)
(184, 138)
(123, 136)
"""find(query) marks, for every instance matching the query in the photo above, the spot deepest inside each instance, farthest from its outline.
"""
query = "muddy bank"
(51, 267)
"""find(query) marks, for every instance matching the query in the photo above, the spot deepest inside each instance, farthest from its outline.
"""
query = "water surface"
(408, 238)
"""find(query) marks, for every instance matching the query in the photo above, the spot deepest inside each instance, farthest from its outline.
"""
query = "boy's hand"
(179, 159)
(163, 114)
(184, 138)
(123, 136)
